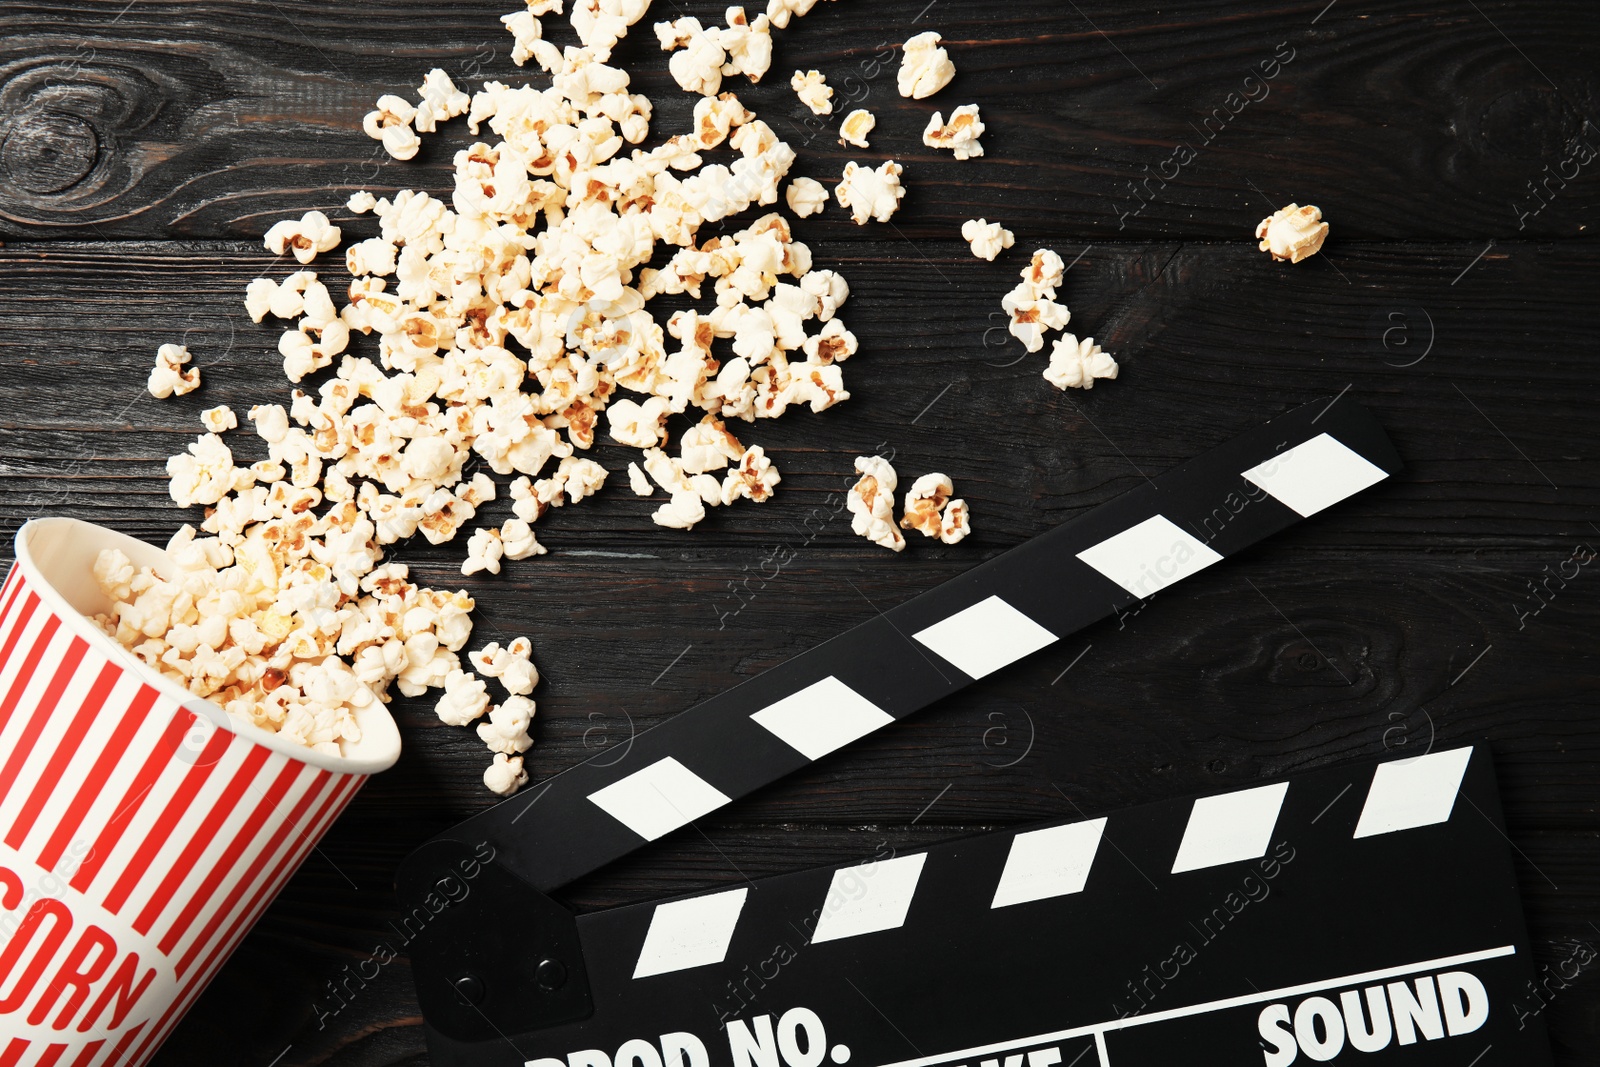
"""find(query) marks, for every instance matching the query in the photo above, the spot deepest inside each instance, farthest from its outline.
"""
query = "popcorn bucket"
(142, 830)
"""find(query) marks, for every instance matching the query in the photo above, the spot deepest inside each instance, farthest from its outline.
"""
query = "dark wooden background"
(145, 146)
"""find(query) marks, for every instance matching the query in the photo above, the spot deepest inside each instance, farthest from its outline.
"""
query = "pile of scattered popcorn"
(279, 606)
(929, 506)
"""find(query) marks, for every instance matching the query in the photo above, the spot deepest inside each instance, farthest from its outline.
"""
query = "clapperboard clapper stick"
(1016, 947)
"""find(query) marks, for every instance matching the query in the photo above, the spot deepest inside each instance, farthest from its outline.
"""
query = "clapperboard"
(1355, 915)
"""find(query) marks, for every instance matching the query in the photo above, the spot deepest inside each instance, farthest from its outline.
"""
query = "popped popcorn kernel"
(871, 503)
(956, 522)
(169, 378)
(219, 419)
(987, 239)
(812, 89)
(806, 196)
(1031, 305)
(484, 551)
(506, 732)
(960, 134)
(1292, 233)
(871, 194)
(304, 237)
(925, 68)
(505, 775)
(1075, 364)
(923, 502)
(856, 126)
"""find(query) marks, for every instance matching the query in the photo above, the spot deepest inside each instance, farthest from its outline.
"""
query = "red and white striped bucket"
(142, 831)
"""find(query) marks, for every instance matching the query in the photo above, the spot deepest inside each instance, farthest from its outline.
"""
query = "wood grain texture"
(211, 119)
(144, 148)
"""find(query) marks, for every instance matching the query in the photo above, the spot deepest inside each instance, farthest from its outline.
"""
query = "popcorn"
(203, 474)
(637, 425)
(401, 142)
(960, 135)
(925, 68)
(856, 126)
(832, 344)
(526, 29)
(698, 67)
(465, 699)
(506, 731)
(1030, 319)
(780, 11)
(870, 194)
(871, 503)
(955, 525)
(753, 478)
(285, 300)
(927, 495)
(703, 57)
(505, 775)
(931, 511)
(517, 540)
(519, 676)
(708, 446)
(305, 237)
(810, 86)
(748, 44)
(1292, 233)
(1075, 364)
(806, 196)
(685, 509)
(390, 122)
(1031, 304)
(988, 239)
(505, 320)
(219, 418)
(602, 23)
(1042, 275)
(168, 378)
(484, 550)
(638, 482)
(441, 101)
(272, 422)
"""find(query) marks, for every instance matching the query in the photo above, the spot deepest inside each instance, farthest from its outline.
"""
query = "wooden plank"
(1439, 120)
(1476, 380)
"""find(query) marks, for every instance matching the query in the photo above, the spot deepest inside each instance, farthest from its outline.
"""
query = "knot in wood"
(45, 152)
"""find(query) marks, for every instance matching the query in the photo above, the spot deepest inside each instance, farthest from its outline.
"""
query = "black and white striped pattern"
(1149, 936)
(1048, 862)
(1145, 541)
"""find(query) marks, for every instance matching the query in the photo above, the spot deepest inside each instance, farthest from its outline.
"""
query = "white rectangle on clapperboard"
(690, 933)
(985, 637)
(658, 799)
(1047, 863)
(1315, 475)
(870, 897)
(1146, 558)
(822, 717)
(1230, 828)
(1411, 793)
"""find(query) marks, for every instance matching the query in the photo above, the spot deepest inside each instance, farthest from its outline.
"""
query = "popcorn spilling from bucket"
(279, 606)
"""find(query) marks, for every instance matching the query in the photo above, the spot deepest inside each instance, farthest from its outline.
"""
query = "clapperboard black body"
(1351, 915)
